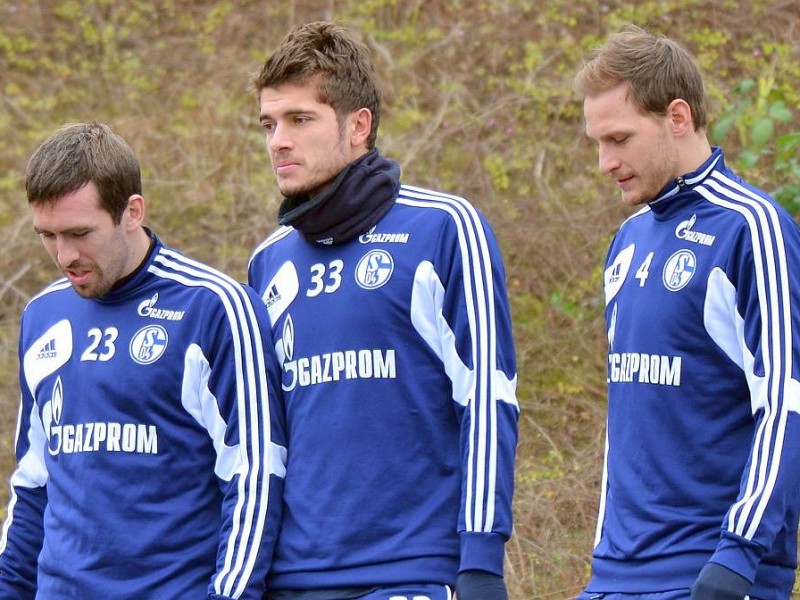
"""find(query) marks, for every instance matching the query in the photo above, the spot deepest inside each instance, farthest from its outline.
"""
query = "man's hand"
(716, 582)
(480, 585)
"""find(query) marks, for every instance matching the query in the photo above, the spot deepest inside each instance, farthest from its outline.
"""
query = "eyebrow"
(69, 230)
(609, 135)
(289, 113)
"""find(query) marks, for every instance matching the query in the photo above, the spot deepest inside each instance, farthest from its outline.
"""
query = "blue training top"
(702, 291)
(150, 441)
(399, 375)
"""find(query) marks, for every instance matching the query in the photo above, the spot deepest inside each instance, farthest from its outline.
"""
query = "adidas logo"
(48, 350)
(273, 295)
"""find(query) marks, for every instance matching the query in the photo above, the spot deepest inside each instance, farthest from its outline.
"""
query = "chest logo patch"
(615, 275)
(147, 308)
(281, 291)
(679, 270)
(685, 231)
(48, 353)
(374, 269)
(148, 344)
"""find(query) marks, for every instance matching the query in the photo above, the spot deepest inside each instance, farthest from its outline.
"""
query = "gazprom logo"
(95, 436)
(371, 237)
(148, 344)
(57, 400)
(147, 308)
(374, 269)
(685, 231)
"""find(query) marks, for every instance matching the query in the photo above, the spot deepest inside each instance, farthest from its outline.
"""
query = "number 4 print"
(643, 272)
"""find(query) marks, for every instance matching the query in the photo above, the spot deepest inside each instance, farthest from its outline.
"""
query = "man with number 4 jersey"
(701, 487)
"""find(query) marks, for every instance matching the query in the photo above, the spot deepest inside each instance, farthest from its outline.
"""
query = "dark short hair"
(330, 54)
(657, 69)
(79, 153)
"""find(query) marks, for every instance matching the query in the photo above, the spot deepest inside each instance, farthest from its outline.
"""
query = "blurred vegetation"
(478, 102)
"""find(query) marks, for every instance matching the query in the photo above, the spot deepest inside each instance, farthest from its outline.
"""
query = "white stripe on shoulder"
(642, 211)
(56, 286)
(275, 236)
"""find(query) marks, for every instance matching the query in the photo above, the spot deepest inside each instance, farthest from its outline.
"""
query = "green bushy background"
(478, 102)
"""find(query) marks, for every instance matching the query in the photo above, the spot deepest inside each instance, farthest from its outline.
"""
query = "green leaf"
(786, 147)
(762, 131)
(722, 127)
(788, 142)
(747, 159)
(780, 112)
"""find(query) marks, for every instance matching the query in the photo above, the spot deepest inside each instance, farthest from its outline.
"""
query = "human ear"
(679, 114)
(134, 212)
(360, 126)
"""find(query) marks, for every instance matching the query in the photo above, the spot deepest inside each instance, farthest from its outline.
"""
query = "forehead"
(80, 208)
(612, 112)
(291, 97)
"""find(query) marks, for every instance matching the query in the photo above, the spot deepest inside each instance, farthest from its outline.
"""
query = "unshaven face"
(305, 142)
(637, 150)
(84, 242)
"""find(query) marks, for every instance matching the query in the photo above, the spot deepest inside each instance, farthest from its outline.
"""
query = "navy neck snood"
(355, 200)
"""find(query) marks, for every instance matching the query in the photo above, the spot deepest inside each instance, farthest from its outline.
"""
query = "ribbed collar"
(131, 282)
(687, 182)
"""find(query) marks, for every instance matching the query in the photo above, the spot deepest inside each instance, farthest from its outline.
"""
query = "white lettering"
(338, 366)
(114, 435)
(385, 367)
(68, 432)
(384, 238)
(302, 372)
(654, 369)
(109, 437)
(146, 439)
(644, 371)
(684, 231)
(350, 365)
(99, 435)
(147, 309)
(364, 364)
(316, 369)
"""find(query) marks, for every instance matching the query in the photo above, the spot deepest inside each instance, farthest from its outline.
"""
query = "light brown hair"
(657, 69)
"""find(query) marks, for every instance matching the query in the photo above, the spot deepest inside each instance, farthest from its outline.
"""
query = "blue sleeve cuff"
(482, 552)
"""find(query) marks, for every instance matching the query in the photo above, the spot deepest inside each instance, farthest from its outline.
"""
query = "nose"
(66, 252)
(607, 161)
(277, 139)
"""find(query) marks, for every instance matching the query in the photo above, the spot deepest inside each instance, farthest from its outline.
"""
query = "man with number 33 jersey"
(391, 321)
